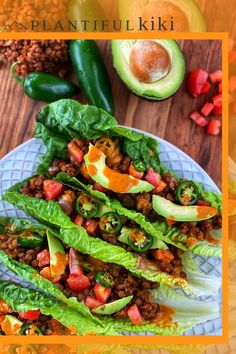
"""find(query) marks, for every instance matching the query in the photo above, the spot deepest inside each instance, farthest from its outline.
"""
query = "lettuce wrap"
(60, 122)
(50, 213)
(22, 299)
(184, 312)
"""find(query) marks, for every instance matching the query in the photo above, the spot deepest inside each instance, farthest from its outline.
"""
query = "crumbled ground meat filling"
(67, 202)
(125, 283)
(140, 202)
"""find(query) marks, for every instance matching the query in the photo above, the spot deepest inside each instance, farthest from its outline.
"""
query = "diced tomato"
(196, 82)
(232, 83)
(32, 315)
(43, 258)
(232, 56)
(91, 226)
(75, 151)
(217, 100)
(100, 188)
(101, 293)
(46, 273)
(92, 303)
(162, 185)
(217, 111)
(207, 108)
(79, 220)
(206, 87)
(78, 282)
(52, 189)
(135, 173)
(134, 315)
(220, 87)
(153, 177)
(216, 76)
(214, 127)
(202, 203)
(75, 269)
(198, 119)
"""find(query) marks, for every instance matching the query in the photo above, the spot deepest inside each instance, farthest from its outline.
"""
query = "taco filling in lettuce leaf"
(91, 227)
(86, 143)
(106, 297)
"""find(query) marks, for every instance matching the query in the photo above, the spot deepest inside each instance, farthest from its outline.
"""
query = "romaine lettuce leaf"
(74, 236)
(185, 308)
(71, 119)
(31, 275)
(15, 226)
(159, 230)
(24, 299)
(203, 284)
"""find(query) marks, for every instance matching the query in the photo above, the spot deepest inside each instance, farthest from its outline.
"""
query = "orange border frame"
(151, 339)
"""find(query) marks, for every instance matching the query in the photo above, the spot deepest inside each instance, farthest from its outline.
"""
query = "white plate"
(23, 161)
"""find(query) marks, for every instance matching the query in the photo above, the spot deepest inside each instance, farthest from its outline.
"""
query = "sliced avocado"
(186, 13)
(11, 325)
(112, 307)
(124, 237)
(176, 212)
(57, 256)
(95, 161)
(165, 81)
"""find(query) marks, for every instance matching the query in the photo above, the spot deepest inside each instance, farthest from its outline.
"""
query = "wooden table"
(167, 119)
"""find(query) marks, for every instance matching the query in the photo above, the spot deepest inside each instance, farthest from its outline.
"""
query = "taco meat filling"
(167, 187)
(29, 323)
(82, 210)
(88, 279)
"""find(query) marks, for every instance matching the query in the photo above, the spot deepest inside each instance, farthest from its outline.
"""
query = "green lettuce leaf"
(203, 284)
(185, 308)
(71, 119)
(51, 214)
(23, 299)
(140, 150)
(32, 276)
(14, 226)
(159, 229)
(213, 199)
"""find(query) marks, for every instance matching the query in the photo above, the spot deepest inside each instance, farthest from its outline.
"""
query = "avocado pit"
(149, 61)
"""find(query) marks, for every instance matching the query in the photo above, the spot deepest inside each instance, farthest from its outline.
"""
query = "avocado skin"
(176, 212)
(159, 90)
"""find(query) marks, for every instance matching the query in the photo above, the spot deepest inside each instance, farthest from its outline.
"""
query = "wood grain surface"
(167, 119)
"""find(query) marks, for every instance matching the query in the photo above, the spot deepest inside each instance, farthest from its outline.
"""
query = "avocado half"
(186, 13)
(165, 86)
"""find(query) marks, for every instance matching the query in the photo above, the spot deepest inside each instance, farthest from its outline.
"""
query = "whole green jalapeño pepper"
(45, 87)
(91, 73)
